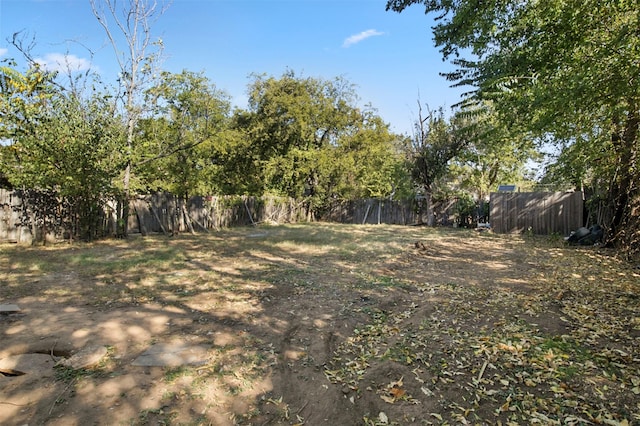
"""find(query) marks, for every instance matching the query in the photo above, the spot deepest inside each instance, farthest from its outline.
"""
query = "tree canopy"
(58, 142)
(562, 71)
(176, 141)
(554, 72)
(306, 138)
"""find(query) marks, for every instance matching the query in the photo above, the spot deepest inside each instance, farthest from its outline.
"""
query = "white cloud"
(63, 63)
(3, 51)
(357, 38)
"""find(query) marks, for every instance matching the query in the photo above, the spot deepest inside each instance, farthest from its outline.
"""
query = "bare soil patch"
(322, 324)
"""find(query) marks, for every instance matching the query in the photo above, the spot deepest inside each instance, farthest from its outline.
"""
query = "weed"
(555, 239)
(173, 374)
(154, 416)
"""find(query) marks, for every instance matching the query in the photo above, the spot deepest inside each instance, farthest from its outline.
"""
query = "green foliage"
(493, 153)
(432, 150)
(61, 144)
(465, 208)
(305, 138)
(564, 72)
(429, 154)
(23, 97)
(292, 122)
(178, 143)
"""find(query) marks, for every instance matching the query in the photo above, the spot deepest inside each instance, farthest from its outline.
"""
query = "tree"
(493, 153)
(23, 98)
(435, 143)
(59, 144)
(562, 69)
(306, 138)
(289, 123)
(128, 30)
(368, 163)
(178, 143)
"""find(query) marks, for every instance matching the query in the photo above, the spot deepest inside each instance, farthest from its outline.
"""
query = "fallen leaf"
(397, 392)
(388, 399)
(397, 383)
(426, 391)
(383, 418)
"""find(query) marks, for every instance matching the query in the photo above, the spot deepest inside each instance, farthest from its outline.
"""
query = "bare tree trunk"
(431, 220)
(137, 68)
(622, 192)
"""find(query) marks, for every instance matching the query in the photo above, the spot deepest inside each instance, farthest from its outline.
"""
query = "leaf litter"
(462, 328)
(563, 349)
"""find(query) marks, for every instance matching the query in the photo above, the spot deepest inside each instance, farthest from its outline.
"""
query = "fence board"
(372, 211)
(543, 212)
(162, 212)
(10, 229)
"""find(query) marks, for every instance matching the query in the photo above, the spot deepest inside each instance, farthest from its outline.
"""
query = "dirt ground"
(324, 325)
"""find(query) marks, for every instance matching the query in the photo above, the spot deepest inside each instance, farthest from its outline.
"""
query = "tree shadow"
(270, 306)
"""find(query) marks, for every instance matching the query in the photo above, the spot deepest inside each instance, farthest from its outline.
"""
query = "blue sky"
(390, 57)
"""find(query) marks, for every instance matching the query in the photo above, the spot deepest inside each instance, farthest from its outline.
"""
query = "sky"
(390, 57)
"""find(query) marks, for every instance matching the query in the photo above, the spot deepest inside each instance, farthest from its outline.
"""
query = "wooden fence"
(543, 213)
(372, 211)
(11, 227)
(154, 213)
(167, 213)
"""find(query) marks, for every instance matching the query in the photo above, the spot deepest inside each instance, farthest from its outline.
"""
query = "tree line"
(541, 74)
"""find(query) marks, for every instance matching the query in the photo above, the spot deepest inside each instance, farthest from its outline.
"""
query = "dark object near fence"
(586, 236)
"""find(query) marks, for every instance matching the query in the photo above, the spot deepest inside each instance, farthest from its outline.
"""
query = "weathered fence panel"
(373, 211)
(163, 212)
(543, 213)
(11, 217)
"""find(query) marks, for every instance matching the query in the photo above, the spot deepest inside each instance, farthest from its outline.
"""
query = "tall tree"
(434, 145)
(128, 25)
(493, 153)
(367, 163)
(60, 144)
(306, 138)
(561, 68)
(178, 143)
(290, 120)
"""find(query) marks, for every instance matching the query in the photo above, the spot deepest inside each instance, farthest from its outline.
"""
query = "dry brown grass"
(327, 324)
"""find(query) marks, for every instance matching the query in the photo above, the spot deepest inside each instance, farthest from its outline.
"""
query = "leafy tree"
(178, 143)
(562, 69)
(291, 115)
(60, 144)
(493, 153)
(24, 96)
(368, 163)
(435, 144)
(236, 164)
(302, 136)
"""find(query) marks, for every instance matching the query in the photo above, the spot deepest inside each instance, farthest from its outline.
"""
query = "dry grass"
(316, 323)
